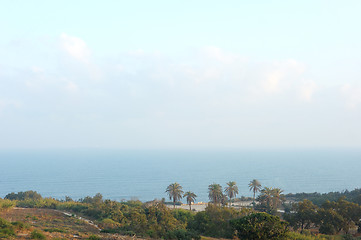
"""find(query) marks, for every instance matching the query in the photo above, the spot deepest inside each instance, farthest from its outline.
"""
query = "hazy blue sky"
(180, 74)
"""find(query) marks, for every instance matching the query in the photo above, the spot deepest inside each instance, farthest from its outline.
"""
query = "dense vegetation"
(331, 217)
(320, 198)
(156, 220)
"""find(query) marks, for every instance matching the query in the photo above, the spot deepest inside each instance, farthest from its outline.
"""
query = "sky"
(180, 74)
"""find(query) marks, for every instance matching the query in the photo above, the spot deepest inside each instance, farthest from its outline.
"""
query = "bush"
(109, 224)
(299, 236)
(182, 234)
(260, 226)
(20, 225)
(23, 195)
(37, 235)
(214, 221)
(6, 204)
(72, 206)
(182, 215)
(6, 232)
(4, 223)
(327, 228)
(94, 237)
(51, 230)
(6, 229)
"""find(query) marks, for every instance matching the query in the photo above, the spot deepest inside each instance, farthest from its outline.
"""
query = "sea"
(145, 174)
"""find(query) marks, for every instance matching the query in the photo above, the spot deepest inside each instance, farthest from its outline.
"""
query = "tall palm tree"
(215, 193)
(271, 198)
(191, 197)
(254, 186)
(277, 197)
(231, 190)
(174, 191)
(267, 197)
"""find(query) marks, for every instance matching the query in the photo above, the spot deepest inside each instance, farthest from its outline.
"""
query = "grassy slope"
(53, 224)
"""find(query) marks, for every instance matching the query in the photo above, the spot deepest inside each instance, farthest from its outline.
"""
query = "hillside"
(54, 224)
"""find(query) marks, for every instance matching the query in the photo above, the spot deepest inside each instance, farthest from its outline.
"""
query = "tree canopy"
(175, 192)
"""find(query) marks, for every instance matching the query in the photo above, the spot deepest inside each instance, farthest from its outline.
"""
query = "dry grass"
(53, 224)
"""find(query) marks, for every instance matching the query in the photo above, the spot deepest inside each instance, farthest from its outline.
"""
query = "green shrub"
(4, 223)
(94, 237)
(260, 226)
(23, 195)
(327, 228)
(20, 225)
(51, 230)
(109, 224)
(299, 236)
(6, 204)
(37, 235)
(183, 216)
(215, 221)
(6, 232)
(182, 234)
(6, 229)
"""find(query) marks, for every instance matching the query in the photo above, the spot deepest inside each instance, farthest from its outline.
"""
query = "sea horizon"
(145, 174)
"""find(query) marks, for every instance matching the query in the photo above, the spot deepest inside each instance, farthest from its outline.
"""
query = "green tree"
(33, 195)
(270, 199)
(351, 213)
(303, 215)
(254, 186)
(231, 190)
(266, 199)
(215, 221)
(336, 216)
(260, 226)
(190, 197)
(330, 221)
(277, 197)
(215, 193)
(160, 221)
(175, 192)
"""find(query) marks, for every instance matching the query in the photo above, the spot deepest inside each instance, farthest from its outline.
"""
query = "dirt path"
(90, 222)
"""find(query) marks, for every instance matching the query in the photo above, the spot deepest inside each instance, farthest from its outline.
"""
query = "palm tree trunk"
(173, 203)
(254, 198)
(190, 206)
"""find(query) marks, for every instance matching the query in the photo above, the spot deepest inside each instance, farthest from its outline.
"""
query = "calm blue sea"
(144, 175)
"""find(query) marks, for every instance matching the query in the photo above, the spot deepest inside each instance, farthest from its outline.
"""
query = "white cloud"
(272, 82)
(75, 47)
(306, 90)
(217, 76)
(281, 76)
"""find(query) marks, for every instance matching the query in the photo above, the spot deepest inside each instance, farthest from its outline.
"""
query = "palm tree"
(231, 190)
(267, 197)
(215, 193)
(191, 197)
(277, 197)
(271, 198)
(254, 186)
(174, 191)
